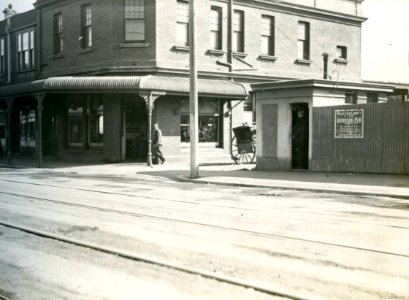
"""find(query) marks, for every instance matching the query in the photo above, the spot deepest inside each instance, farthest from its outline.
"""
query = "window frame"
(216, 28)
(342, 52)
(270, 37)
(238, 31)
(2, 56)
(181, 22)
(95, 114)
(25, 57)
(351, 98)
(58, 33)
(303, 41)
(207, 133)
(372, 97)
(86, 26)
(86, 112)
(136, 17)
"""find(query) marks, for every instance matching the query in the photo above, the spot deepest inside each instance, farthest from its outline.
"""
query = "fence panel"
(370, 138)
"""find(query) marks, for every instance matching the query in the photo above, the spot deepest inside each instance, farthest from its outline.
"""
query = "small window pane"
(182, 34)
(265, 47)
(25, 41)
(134, 30)
(342, 52)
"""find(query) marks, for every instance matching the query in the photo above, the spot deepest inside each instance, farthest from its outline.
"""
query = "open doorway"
(300, 136)
(136, 130)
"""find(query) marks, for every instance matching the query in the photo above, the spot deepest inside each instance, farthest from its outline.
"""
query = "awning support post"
(39, 142)
(8, 130)
(150, 99)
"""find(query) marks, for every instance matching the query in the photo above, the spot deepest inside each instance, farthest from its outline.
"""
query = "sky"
(385, 38)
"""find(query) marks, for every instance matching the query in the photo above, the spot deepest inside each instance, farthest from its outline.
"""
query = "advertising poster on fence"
(349, 123)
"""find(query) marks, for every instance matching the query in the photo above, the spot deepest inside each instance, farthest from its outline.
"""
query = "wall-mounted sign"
(349, 123)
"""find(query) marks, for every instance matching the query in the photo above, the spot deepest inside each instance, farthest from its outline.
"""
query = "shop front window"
(27, 128)
(76, 123)
(96, 122)
(208, 128)
(85, 126)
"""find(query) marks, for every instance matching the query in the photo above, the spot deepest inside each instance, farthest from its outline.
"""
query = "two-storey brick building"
(80, 79)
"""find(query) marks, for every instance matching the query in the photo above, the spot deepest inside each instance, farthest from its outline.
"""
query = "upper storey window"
(134, 20)
(303, 40)
(2, 57)
(342, 52)
(216, 28)
(182, 23)
(25, 50)
(267, 35)
(238, 31)
(86, 26)
(58, 37)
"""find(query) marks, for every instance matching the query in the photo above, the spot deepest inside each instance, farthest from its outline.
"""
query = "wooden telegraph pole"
(194, 119)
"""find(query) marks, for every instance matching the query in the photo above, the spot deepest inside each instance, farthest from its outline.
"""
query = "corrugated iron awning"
(150, 83)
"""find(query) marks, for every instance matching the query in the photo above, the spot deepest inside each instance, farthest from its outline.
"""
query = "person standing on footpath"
(157, 144)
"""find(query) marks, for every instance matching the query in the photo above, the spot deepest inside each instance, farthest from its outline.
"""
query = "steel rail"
(125, 194)
(245, 231)
(162, 198)
(274, 291)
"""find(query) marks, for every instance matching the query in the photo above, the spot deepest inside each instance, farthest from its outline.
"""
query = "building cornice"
(321, 83)
(301, 10)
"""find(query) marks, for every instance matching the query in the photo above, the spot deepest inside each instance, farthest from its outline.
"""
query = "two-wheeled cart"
(243, 144)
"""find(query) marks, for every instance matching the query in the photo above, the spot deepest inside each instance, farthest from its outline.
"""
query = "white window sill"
(267, 57)
(303, 61)
(133, 45)
(239, 54)
(341, 61)
(216, 52)
(180, 48)
(85, 50)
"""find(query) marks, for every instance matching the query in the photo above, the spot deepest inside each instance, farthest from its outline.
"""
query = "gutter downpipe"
(230, 37)
(38, 40)
(8, 27)
(325, 57)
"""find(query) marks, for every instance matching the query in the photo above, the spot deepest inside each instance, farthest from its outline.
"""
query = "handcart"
(243, 144)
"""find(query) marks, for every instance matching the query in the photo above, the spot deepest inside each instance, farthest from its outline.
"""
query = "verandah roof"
(115, 84)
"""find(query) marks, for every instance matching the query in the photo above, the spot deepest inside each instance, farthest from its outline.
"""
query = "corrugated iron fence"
(369, 138)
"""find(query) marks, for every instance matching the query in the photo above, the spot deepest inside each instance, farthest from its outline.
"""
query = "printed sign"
(349, 123)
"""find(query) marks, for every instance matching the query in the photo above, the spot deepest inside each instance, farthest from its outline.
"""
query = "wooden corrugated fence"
(368, 138)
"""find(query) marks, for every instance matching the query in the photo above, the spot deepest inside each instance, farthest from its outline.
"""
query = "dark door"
(300, 131)
(136, 130)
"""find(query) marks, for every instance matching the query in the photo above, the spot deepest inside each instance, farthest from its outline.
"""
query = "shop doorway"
(136, 130)
(300, 136)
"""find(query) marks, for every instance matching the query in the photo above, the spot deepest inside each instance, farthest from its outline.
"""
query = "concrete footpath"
(396, 186)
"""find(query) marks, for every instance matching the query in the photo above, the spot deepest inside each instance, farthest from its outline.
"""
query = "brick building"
(80, 79)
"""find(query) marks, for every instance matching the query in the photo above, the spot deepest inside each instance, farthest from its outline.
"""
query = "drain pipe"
(325, 56)
(230, 37)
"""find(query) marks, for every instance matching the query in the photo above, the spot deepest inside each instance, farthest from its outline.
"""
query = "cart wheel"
(242, 157)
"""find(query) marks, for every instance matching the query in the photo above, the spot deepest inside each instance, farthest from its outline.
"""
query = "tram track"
(156, 197)
(273, 291)
(213, 226)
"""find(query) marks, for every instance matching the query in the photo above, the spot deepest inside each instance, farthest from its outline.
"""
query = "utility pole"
(194, 119)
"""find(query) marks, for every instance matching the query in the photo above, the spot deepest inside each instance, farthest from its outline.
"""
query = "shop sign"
(349, 123)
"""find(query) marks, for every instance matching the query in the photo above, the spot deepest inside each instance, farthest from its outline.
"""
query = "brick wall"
(326, 33)
(109, 50)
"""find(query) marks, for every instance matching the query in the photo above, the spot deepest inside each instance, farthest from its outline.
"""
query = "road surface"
(178, 240)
